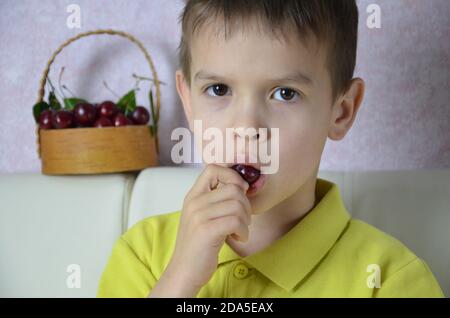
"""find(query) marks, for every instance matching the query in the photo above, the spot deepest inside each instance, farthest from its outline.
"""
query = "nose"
(249, 121)
(249, 114)
(251, 132)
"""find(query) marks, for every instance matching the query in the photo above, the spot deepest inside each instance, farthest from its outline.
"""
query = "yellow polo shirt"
(327, 254)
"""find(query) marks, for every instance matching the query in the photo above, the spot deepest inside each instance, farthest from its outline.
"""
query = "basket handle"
(41, 92)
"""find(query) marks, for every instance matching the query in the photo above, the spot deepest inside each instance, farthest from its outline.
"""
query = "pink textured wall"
(404, 122)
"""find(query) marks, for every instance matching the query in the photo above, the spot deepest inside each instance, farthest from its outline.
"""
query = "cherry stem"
(53, 88)
(59, 81)
(146, 79)
(67, 89)
(109, 89)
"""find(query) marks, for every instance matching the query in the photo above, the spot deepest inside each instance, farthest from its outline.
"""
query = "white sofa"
(48, 223)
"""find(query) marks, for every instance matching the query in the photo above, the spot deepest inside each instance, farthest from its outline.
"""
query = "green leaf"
(154, 115)
(53, 101)
(127, 103)
(38, 108)
(69, 103)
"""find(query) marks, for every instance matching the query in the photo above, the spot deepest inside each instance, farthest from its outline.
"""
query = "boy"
(266, 64)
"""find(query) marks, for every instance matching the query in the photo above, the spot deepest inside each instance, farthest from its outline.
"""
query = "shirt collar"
(301, 249)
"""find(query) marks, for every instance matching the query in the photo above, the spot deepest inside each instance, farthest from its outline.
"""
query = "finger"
(212, 176)
(230, 207)
(237, 237)
(222, 209)
(229, 225)
(225, 192)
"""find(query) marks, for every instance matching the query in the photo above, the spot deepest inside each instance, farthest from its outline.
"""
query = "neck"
(272, 224)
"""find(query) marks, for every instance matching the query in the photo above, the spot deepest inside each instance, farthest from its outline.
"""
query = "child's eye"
(217, 90)
(282, 94)
(286, 94)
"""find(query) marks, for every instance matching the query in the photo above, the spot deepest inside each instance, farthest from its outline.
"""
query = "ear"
(345, 109)
(184, 92)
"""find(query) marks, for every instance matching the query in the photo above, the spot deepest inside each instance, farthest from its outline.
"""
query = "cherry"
(84, 114)
(97, 110)
(121, 120)
(248, 173)
(103, 122)
(62, 119)
(107, 109)
(140, 115)
(45, 119)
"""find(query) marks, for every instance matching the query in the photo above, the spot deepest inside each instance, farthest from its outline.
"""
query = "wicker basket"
(97, 150)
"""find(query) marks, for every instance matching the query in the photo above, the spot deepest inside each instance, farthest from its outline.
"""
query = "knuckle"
(187, 207)
(234, 190)
(186, 200)
(210, 169)
(205, 174)
(190, 195)
(191, 211)
(235, 206)
(237, 177)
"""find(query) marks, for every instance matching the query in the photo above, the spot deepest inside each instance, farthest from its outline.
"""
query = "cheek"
(210, 117)
(203, 144)
(300, 150)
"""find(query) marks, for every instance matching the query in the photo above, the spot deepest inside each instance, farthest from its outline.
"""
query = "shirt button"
(240, 271)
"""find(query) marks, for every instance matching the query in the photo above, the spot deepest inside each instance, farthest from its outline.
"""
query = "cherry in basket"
(140, 116)
(107, 109)
(62, 119)
(84, 114)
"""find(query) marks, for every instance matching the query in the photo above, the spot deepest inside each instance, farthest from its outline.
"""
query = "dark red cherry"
(248, 173)
(121, 120)
(107, 109)
(103, 122)
(84, 114)
(45, 119)
(62, 119)
(140, 115)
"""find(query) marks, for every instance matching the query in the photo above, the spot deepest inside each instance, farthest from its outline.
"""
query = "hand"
(216, 206)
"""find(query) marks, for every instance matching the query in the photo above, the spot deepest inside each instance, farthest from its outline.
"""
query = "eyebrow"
(298, 77)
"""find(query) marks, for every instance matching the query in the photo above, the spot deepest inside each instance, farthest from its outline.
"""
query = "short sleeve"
(125, 275)
(414, 280)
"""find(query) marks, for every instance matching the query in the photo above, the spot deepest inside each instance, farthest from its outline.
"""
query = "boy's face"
(266, 83)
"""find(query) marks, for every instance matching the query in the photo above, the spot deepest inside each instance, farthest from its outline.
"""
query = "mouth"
(252, 174)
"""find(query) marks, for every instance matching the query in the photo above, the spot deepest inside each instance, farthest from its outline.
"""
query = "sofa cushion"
(48, 223)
